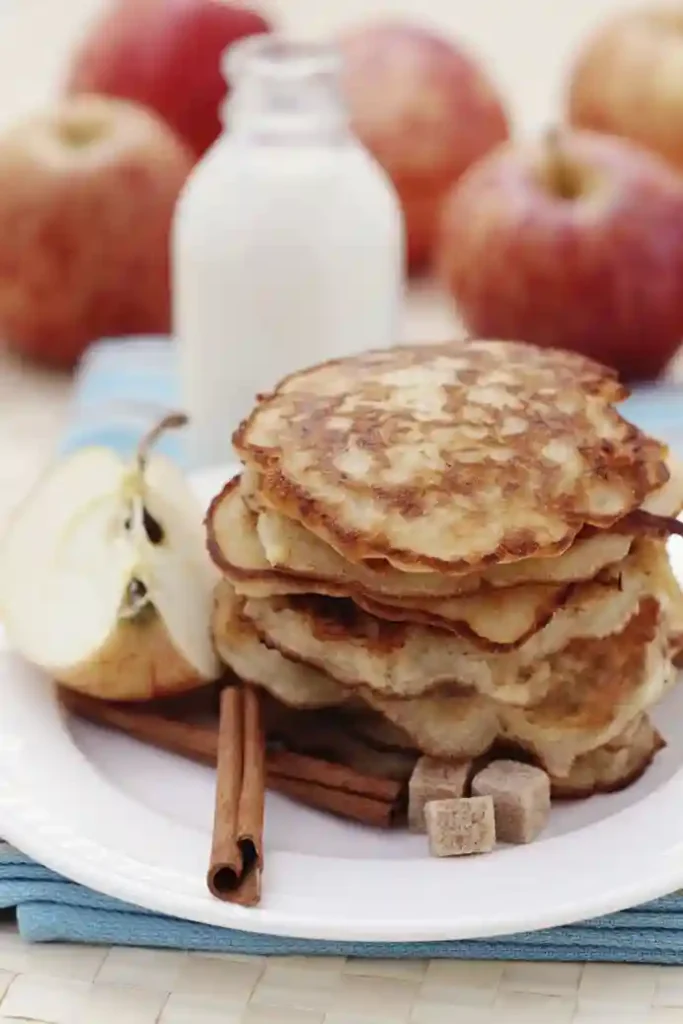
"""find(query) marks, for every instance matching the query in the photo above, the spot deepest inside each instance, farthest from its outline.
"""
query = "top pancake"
(449, 457)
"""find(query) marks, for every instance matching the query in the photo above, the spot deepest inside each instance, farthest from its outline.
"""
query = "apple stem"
(173, 421)
(562, 173)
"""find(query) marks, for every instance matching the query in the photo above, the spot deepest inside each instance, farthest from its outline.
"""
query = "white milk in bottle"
(288, 241)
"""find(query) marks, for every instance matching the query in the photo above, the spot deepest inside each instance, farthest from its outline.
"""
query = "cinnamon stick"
(335, 788)
(316, 782)
(285, 764)
(189, 739)
(236, 854)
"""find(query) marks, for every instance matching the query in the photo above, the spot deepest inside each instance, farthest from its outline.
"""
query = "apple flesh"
(576, 242)
(165, 54)
(87, 192)
(426, 110)
(627, 80)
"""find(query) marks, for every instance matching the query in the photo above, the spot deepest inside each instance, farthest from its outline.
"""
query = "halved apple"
(105, 579)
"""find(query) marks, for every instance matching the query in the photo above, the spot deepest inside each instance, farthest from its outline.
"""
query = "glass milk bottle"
(287, 243)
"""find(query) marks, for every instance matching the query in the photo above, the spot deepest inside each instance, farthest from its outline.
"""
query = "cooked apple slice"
(105, 580)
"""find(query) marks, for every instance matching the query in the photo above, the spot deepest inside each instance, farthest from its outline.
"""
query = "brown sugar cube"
(521, 799)
(461, 826)
(434, 780)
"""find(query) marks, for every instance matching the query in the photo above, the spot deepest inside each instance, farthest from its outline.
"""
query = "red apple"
(628, 80)
(165, 54)
(426, 110)
(574, 241)
(87, 192)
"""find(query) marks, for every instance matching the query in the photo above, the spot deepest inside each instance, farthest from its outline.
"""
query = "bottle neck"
(285, 93)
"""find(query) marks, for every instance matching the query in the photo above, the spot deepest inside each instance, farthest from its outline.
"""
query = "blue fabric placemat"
(52, 909)
(121, 389)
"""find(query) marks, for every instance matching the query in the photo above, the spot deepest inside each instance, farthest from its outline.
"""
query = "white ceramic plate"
(135, 823)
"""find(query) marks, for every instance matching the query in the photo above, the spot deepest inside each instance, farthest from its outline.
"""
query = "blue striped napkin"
(122, 388)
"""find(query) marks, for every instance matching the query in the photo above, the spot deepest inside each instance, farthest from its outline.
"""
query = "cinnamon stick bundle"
(236, 854)
(314, 781)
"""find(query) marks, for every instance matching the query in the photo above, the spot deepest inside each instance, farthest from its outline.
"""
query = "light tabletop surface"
(526, 43)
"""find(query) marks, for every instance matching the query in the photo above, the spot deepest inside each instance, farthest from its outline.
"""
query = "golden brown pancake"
(598, 693)
(597, 688)
(408, 659)
(266, 554)
(239, 647)
(449, 457)
(616, 765)
(457, 727)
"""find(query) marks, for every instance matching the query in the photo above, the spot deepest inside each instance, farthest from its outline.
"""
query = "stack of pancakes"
(466, 538)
